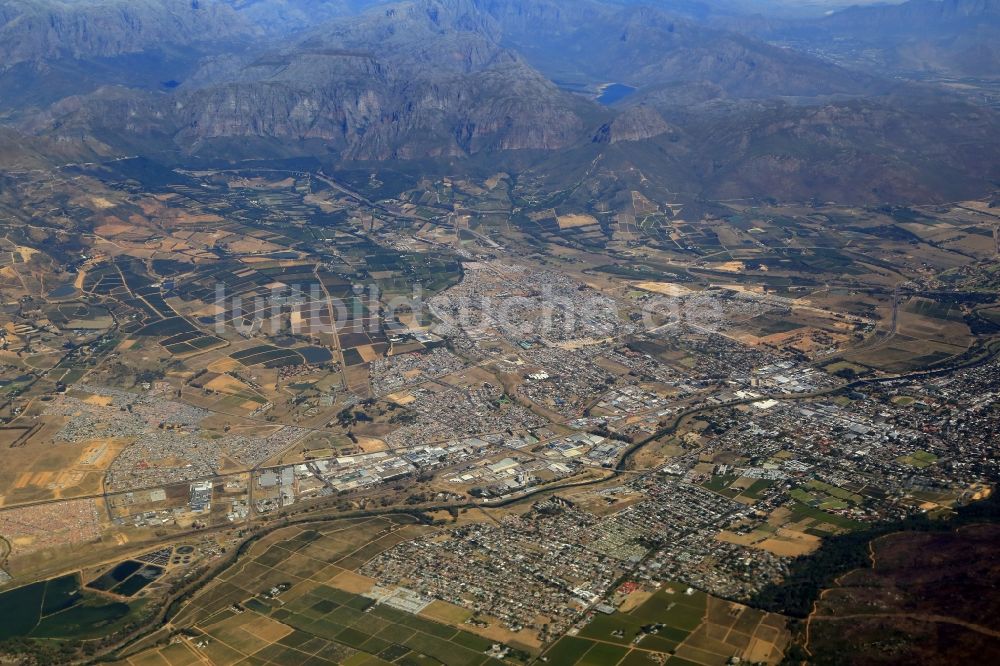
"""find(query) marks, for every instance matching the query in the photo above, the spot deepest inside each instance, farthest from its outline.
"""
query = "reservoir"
(614, 92)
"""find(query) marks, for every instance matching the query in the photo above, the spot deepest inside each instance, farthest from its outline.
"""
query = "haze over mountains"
(713, 101)
(951, 37)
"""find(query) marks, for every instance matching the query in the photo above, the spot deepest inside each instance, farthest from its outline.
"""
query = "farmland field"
(281, 601)
(675, 625)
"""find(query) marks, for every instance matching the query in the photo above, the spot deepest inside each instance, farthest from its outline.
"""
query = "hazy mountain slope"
(51, 49)
(862, 151)
(889, 149)
(277, 17)
(19, 151)
(36, 30)
(591, 42)
(950, 37)
(910, 17)
(960, 37)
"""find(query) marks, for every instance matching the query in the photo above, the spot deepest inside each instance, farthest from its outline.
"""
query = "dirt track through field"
(920, 617)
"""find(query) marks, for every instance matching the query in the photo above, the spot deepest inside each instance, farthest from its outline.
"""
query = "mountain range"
(709, 102)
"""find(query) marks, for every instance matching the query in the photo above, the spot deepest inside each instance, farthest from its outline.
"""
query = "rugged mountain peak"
(636, 123)
(424, 78)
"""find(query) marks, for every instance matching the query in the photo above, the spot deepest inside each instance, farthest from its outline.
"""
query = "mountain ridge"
(721, 113)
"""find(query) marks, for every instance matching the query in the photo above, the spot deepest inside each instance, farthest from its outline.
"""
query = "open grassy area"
(801, 510)
(918, 459)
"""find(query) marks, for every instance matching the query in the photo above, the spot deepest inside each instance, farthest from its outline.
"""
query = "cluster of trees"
(126, 375)
(28, 652)
(403, 418)
(980, 325)
(348, 417)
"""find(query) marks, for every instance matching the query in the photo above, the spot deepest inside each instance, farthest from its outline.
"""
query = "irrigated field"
(295, 598)
(678, 626)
